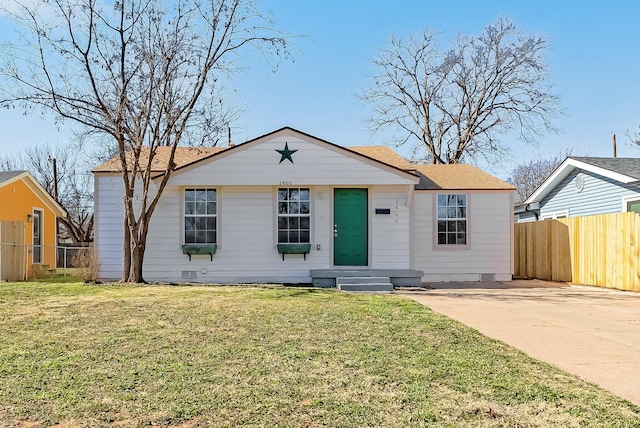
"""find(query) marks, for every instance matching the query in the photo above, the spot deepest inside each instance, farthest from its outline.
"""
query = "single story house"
(585, 186)
(23, 199)
(288, 207)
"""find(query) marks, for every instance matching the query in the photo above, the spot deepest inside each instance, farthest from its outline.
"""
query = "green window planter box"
(198, 249)
(303, 249)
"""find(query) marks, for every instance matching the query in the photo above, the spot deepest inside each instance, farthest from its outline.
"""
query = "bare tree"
(528, 176)
(64, 175)
(142, 73)
(455, 104)
(633, 138)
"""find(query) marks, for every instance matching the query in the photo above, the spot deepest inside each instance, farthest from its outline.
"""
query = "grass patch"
(246, 356)
(61, 275)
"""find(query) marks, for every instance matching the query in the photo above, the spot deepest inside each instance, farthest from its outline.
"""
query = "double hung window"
(294, 223)
(200, 216)
(452, 219)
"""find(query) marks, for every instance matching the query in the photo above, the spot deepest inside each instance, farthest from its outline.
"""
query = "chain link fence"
(72, 255)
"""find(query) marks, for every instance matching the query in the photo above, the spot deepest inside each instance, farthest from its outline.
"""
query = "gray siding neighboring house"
(585, 186)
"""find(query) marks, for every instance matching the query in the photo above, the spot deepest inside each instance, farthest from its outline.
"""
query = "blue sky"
(594, 60)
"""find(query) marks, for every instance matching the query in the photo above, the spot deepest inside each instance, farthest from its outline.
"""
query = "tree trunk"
(136, 259)
(126, 251)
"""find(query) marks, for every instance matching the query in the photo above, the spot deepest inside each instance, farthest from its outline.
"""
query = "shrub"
(87, 264)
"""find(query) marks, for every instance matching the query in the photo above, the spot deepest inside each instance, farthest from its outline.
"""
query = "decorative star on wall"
(286, 153)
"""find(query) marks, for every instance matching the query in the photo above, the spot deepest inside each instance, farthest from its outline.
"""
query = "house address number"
(286, 182)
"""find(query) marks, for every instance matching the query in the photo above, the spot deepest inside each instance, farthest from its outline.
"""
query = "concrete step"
(368, 284)
(369, 288)
(326, 278)
(362, 279)
(40, 270)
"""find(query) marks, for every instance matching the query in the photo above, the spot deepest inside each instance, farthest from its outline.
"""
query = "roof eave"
(563, 172)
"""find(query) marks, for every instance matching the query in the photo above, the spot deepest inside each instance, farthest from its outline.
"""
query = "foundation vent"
(189, 274)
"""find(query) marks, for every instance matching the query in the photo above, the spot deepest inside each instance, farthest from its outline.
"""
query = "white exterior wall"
(490, 238)
(247, 238)
(108, 224)
(109, 221)
(246, 241)
(390, 233)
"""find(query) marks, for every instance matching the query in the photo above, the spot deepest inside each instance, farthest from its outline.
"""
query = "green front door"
(350, 227)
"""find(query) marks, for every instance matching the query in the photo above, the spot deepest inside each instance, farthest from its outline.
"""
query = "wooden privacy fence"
(12, 251)
(602, 250)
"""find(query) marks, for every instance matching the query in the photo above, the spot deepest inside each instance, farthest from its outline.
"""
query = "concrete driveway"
(588, 331)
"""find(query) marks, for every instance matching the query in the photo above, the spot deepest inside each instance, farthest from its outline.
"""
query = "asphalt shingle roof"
(8, 175)
(384, 154)
(457, 177)
(183, 156)
(626, 166)
(432, 177)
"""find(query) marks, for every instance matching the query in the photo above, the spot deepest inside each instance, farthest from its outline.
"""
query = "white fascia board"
(565, 169)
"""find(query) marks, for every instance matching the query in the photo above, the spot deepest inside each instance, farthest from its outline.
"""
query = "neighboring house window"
(37, 236)
(559, 214)
(631, 203)
(634, 206)
(200, 216)
(452, 219)
(293, 215)
(523, 219)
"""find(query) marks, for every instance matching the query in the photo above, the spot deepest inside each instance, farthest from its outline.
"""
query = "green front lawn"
(296, 357)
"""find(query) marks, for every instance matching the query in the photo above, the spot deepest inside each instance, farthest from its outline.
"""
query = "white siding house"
(288, 207)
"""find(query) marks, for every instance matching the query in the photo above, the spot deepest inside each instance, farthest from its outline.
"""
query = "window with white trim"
(452, 219)
(200, 216)
(555, 215)
(633, 206)
(631, 203)
(294, 221)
